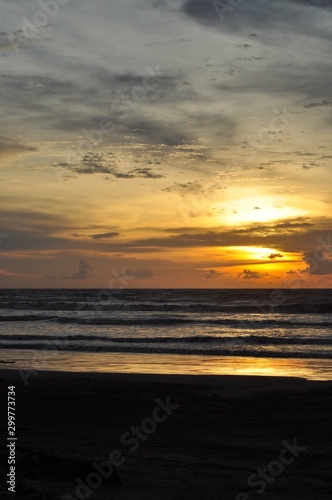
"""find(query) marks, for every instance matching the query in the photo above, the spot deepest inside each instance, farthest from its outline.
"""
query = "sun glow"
(261, 254)
(259, 209)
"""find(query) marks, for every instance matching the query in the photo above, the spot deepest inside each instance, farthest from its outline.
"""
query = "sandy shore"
(171, 437)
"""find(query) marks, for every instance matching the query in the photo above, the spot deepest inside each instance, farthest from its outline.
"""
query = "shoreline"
(268, 382)
(311, 369)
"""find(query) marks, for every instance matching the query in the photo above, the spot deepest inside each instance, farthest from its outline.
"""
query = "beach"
(171, 436)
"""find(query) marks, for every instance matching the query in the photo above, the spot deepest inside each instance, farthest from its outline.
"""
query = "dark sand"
(225, 429)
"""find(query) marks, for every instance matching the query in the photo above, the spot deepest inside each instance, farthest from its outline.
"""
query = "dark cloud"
(275, 80)
(212, 274)
(100, 236)
(3, 236)
(27, 239)
(311, 164)
(225, 16)
(33, 98)
(248, 275)
(244, 45)
(126, 106)
(157, 132)
(325, 4)
(30, 231)
(10, 147)
(31, 219)
(107, 163)
(212, 123)
(288, 235)
(119, 99)
(317, 262)
(199, 189)
(145, 173)
(275, 256)
(26, 232)
(275, 20)
(95, 96)
(39, 231)
(323, 102)
(5, 42)
(84, 271)
(150, 87)
(141, 273)
(203, 11)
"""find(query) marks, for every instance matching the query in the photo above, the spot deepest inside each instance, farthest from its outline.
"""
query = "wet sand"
(171, 437)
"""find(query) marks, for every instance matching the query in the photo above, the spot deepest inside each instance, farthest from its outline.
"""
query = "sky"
(165, 143)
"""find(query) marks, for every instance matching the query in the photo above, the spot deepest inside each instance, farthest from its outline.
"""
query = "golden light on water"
(315, 369)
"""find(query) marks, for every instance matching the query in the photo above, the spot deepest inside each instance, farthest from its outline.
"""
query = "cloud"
(212, 274)
(252, 14)
(274, 22)
(33, 239)
(325, 4)
(145, 173)
(288, 235)
(127, 116)
(318, 264)
(159, 132)
(141, 273)
(3, 236)
(191, 118)
(5, 43)
(100, 236)
(248, 275)
(10, 148)
(275, 256)
(84, 271)
(107, 163)
(33, 230)
(323, 102)
(97, 236)
(196, 188)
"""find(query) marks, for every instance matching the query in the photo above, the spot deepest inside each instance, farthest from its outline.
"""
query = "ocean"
(73, 329)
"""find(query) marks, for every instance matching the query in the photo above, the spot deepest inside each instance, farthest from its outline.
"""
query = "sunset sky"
(166, 143)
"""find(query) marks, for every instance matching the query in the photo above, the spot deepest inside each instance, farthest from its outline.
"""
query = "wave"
(232, 340)
(218, 352)
(166, 321)
(264, 307)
